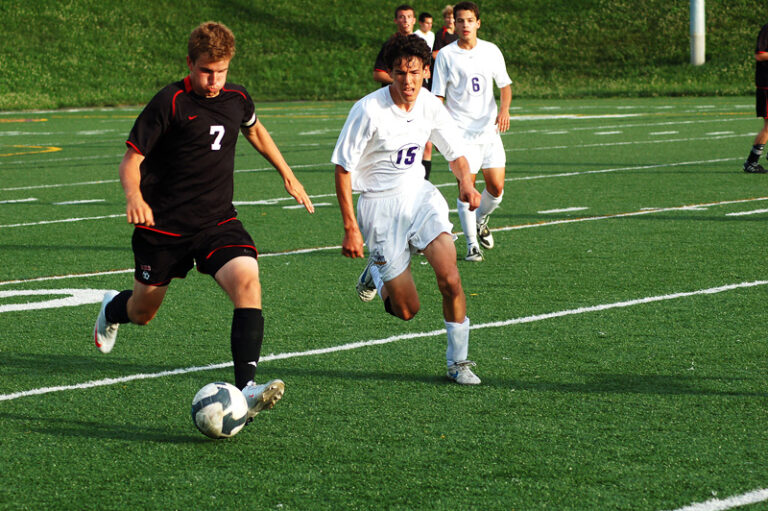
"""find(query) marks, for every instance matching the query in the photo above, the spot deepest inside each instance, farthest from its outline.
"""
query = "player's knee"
(404, 311)
(495, 189)
(450, 285)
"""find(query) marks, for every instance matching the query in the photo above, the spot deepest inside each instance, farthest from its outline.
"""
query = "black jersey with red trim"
(188, 143)
(443, 38)
(761, 67)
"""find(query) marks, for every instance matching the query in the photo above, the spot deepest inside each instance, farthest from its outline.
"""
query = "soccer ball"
(219, 410)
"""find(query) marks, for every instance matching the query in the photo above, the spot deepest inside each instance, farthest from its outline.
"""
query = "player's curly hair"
(400, 46)
(215, 39)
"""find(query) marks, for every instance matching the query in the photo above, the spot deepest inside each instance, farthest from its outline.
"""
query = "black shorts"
(162, 256)
(761, 103)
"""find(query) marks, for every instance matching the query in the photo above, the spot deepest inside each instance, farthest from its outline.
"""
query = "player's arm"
(502, 120)
(467, 191)
(382, 77)
(137, 210)
(761, 56)
(262, 141)
(352, 246)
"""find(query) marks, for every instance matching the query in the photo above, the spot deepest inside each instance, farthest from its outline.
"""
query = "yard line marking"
(753, 212)
(63, 220)
(563, 210)
(15, 201)
(690, 207)
(664, 133)
(744, 499)
(83, 201)
(608, 132)
(60, 185)
(546, 223)
(388, 340)
(717, 133)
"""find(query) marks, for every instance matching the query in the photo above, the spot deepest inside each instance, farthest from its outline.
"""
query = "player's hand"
(352, 246)
(502, 122)
(468, 193)
(293, 187)
(138, 212)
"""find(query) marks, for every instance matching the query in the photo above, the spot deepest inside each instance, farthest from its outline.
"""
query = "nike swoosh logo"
(409, 120)
(192, 117)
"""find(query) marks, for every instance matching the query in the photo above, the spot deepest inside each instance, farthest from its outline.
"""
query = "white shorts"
(397, 223)
(487, 155)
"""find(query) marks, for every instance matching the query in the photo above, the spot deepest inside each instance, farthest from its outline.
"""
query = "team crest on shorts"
(145, 271)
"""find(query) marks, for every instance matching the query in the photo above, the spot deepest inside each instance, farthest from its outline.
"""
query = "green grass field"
(619, 328)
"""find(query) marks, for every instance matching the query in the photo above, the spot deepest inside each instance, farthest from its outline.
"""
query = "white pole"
(698, 33)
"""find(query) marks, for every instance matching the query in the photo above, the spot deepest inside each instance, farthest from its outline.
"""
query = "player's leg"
(441, 254)
(490, 199)
(468, 221)
(752, 166)
(136, 306)
(399, 294)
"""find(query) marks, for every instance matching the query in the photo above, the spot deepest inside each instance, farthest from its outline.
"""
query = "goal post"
(698, 33)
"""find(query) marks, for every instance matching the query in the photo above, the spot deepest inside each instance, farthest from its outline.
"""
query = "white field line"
(62, 220)
(744, 499)
(743, 213)
(562, 210)
(277, 200)
(387, 340)
(691, 207)
(620, 143)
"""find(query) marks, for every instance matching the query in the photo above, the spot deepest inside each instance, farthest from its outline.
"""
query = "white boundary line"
(387, 340)
(744, 499)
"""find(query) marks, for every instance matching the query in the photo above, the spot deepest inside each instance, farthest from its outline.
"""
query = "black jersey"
(761, 69)
(443, 38)
(188, 142)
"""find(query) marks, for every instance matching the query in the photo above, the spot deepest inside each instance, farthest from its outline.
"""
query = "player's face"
(448, 21)
(405, 21)
(207, 76)
(426, 25)
(466, 26)
(408, 75)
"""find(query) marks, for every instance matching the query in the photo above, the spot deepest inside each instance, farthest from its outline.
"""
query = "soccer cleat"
(366, 289)
(474, 254)
(484, 235)
(263, 397)
(105, 333)
(754, 168)
(461, 373)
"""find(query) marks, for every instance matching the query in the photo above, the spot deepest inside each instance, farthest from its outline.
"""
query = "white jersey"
(382, 145)
(465, 79)
(428, 36)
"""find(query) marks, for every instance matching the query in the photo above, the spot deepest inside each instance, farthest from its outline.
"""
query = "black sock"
(755, 153)
(116, 311)
(247, 336)
(427, 168)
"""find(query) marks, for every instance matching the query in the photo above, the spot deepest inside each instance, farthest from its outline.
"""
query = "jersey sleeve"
(249, 113)
(151, 123)
(445, 133)
(353, 138)
(500, 75)
(440, 75)
(380, 65)
(762, 40)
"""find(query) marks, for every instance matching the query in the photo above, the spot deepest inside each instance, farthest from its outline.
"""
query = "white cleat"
(104, 333)
(474, 254)
(263, 397)
(484, 235)
(366, 289)
(461, 373)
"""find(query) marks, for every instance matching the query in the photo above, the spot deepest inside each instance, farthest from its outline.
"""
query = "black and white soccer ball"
(219, 410)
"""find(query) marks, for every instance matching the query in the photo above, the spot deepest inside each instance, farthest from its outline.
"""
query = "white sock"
(468, 222)
(488, 204)
(376, 276)
(458, 341)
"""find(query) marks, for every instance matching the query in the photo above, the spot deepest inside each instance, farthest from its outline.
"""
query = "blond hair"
(212, 38)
